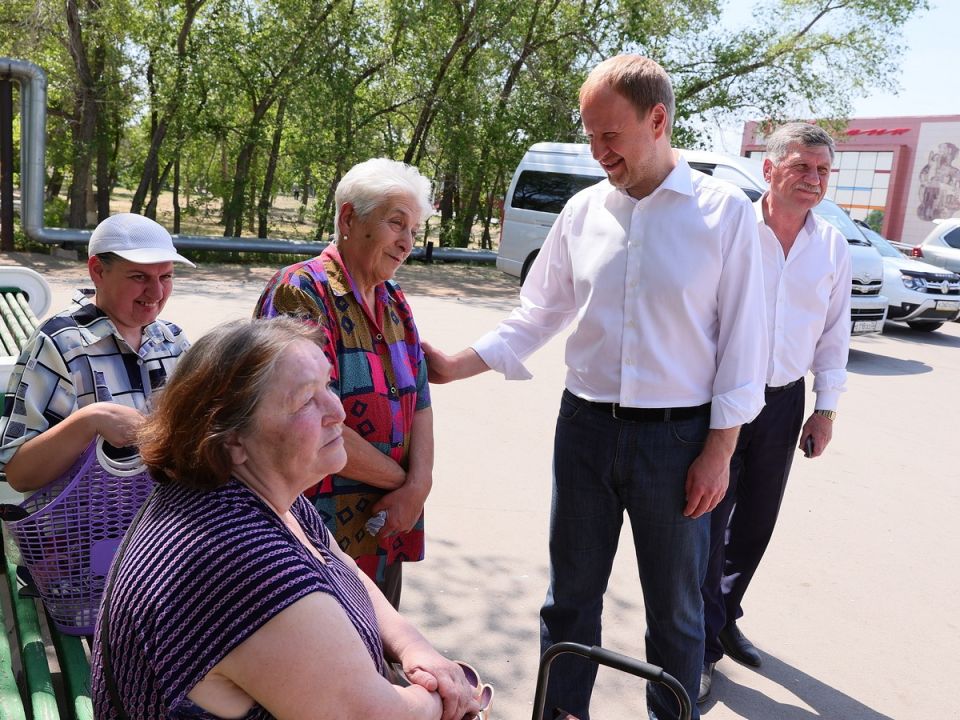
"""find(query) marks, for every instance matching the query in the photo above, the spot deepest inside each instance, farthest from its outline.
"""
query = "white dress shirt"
(667, 293)
(808, 307)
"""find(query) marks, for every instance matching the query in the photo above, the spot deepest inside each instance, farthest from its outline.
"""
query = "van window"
(548, 191)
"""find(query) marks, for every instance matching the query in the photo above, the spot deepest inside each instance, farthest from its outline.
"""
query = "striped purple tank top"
(202, 572)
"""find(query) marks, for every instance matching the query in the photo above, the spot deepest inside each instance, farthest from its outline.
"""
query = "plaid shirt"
(77, 358)
(381, 376)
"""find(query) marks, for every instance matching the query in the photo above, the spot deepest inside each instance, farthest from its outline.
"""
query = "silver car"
(921, 295)
(942, 246)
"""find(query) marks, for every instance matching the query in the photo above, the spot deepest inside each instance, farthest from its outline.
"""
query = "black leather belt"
(781, 388)
(635, 414)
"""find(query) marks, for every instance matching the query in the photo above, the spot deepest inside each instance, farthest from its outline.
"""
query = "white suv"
(551, 173)
(922, 295)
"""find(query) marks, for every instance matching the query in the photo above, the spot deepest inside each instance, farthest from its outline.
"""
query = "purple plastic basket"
(73, 531)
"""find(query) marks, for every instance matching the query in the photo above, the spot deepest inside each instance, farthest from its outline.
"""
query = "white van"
(551, 173)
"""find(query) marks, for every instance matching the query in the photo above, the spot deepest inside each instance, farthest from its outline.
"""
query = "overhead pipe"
(33, 151)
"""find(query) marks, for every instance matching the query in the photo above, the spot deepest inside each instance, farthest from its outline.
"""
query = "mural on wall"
(934, 180)
(940, 184)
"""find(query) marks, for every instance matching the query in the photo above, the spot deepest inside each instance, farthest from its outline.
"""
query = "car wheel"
(527, 264)
(925, 326)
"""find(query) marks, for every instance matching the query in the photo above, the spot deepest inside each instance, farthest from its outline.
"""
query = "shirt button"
(140, 362)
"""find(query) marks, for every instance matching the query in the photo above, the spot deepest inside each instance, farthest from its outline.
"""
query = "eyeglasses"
(485, 691)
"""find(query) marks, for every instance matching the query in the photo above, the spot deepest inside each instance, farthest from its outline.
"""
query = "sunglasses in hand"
(483, 691)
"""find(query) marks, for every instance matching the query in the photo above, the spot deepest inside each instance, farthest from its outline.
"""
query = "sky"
(928, 81)
(929, 58)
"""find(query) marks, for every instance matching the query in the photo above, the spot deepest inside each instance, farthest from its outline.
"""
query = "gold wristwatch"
(829, 414)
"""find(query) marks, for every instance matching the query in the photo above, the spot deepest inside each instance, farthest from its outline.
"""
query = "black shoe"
(738, 647)
(706, 680)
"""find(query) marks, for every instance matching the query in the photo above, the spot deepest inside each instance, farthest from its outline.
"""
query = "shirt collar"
(341, 283)
(679, 180)
(93, 332)
(809, 222)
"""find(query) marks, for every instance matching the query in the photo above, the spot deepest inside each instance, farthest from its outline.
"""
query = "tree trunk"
(447, 190)
(418, 139)
(104, 180)
(54, 184)
(82, 162)
(234, 208)
(151, 211)
(250, 203)
(176, 195)
(326, 210)
(159, 127)
(263, 208)
(304, 194)
(84, 124)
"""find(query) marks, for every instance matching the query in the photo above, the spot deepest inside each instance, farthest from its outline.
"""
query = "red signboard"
(878, 131)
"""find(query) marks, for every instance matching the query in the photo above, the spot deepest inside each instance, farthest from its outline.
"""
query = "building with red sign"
(907, 168)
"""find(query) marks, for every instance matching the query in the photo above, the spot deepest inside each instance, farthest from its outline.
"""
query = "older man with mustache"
(807, 276)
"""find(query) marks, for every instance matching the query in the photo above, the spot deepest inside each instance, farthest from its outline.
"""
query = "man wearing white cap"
(91, 369)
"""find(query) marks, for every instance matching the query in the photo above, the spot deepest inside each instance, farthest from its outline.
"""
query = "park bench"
(24, 298)
(29, 643)
(36, 644)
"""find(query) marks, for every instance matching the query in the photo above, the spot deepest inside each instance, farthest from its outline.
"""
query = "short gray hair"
(797, 133)
(367, 185)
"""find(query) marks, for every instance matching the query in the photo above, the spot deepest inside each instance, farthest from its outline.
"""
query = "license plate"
(948, 305)
(865, 326)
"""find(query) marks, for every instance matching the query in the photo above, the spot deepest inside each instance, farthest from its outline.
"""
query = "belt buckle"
(613, 410)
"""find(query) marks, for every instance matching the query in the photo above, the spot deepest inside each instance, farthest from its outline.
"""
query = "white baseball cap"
(135, 238)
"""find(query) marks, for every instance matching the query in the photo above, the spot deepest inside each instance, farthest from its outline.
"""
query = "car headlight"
(912, 282)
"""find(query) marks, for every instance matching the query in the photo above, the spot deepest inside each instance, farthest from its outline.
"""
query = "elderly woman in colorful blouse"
(378, 366)
(228, 598)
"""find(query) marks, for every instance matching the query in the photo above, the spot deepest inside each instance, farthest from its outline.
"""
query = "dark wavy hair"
(213, 394)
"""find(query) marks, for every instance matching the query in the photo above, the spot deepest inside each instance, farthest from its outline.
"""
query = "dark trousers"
(604, 467)
(742, 524)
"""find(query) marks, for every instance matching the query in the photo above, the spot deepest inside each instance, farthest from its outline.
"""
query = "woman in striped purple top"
(230, 600)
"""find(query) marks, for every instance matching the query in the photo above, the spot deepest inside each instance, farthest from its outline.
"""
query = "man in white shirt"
(660, 268)
(807, 279)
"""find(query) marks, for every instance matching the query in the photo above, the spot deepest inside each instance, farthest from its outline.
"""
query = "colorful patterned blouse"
(381, 376)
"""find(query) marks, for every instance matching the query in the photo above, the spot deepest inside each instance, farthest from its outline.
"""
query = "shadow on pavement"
(484, 608)
(477, 284)
(862, 362)
(905, 334)
(468, 606)
(823, 700)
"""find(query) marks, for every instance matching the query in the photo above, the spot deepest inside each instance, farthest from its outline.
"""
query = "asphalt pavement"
(854, 607)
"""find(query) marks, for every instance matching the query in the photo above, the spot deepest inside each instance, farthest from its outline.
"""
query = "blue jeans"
(603, 466)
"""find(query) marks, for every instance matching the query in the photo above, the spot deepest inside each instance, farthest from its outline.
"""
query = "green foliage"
(55, 213)
(460, 87)
(874, 220)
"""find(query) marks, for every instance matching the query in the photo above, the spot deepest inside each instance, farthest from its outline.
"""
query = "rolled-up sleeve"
(742, 339)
